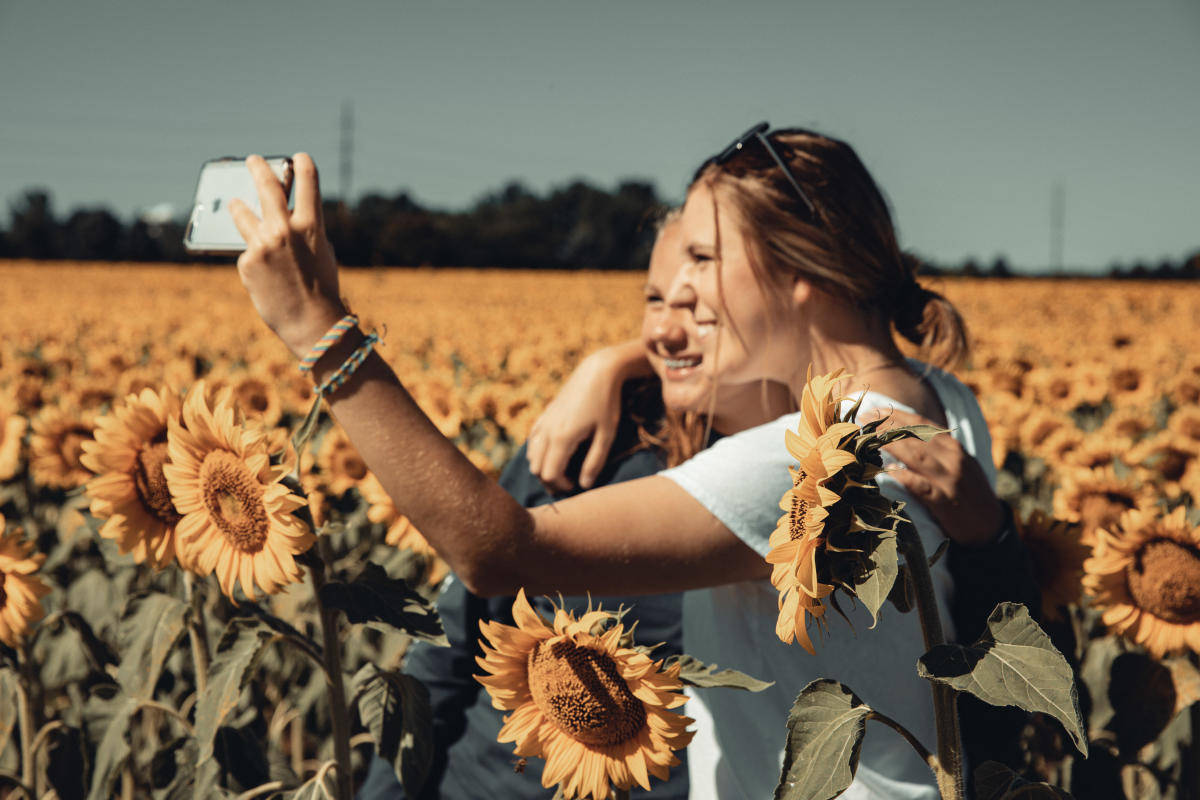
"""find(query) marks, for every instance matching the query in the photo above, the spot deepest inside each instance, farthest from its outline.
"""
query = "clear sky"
(968, 113)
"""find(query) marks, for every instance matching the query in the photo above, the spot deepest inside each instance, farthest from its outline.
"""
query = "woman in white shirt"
(790, 260)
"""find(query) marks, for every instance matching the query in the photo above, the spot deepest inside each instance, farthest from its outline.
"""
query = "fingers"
(270, 190)
(245, 220)
(306, 213)
(921, 487)
(597, 455)
(553, 468)
(535, 449)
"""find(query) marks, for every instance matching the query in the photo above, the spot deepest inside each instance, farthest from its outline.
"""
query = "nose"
(669, 333)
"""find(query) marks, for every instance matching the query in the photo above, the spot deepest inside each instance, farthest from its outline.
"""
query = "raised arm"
(587, 406)
(642, 536)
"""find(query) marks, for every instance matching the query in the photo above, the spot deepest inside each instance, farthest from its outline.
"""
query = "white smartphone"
(210, 227)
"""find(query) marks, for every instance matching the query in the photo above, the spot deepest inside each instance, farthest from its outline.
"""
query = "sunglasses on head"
(759, 132)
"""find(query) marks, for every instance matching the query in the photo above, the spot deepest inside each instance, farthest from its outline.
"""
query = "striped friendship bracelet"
(331, 337)
(348, 367)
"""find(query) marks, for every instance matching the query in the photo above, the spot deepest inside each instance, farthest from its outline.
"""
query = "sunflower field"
(143, 653)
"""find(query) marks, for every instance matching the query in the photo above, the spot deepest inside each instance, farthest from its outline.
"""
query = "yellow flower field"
(1091, 390)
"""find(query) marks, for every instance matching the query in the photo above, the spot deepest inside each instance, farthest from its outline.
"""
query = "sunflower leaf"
(375, 597)
(150, 627)
(395, 709)
(994, 781)
(241, 646)
(1012, 664)
(304, 433)
(694, 672)
(113, 751)
(876, 583)
(825, 732)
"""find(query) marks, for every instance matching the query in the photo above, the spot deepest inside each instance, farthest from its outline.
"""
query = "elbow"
(487, 579)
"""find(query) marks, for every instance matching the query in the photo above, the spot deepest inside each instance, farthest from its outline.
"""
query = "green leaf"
(694, 672)
(902, 594)
(69, 651)
(876, 584)
(1012, 664)
(395, 708)
(994, 781)
(151, 625)
(113, 750)
(9, 703)
(241, 646)
(825, 732)
(374, 597)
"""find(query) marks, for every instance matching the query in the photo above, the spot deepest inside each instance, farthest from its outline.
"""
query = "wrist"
(302, 334)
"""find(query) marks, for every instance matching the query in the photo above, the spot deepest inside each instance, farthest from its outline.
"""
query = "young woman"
(791, 261)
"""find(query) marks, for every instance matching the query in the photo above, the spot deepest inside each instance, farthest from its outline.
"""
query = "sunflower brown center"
(581, 690)
(254, 397)
(234, 500)
(152, 484)
(70, 445)
(352, 465)
(1165, 580)
(798, 516)
(1103, 509)
(1126, 380)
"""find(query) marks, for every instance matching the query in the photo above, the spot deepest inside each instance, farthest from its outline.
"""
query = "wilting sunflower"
(237, 518)
(57, 444)
(833, 512)
(130, 491)
(1145, 575)
(597, 712)
(1057, 554)
(800, 534)
(20, 590)
(401, 533)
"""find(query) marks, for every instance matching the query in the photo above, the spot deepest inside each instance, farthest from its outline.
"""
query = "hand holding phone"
(210, 227)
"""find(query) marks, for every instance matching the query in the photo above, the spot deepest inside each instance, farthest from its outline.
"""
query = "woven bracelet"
(348, 367)
(331, 337)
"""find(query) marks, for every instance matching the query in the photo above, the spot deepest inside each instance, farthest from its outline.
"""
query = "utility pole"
(1058, 216)
(346, 150)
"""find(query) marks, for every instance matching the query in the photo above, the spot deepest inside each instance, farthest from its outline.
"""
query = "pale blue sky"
(967, 112)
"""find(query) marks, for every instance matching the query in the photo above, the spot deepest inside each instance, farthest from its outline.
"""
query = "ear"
(802, 290)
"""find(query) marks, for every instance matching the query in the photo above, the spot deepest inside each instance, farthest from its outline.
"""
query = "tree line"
(574, 226)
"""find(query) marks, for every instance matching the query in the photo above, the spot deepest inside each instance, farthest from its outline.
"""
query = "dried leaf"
(694, 672)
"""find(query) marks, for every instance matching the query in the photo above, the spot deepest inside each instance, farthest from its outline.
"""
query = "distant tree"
(34, 233)
(92, 234)
(1000, 268)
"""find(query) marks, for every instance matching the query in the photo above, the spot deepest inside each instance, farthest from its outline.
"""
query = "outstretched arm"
(642, 536)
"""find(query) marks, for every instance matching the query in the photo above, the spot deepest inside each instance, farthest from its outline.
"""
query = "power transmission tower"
(346, 150)
(1058, 216)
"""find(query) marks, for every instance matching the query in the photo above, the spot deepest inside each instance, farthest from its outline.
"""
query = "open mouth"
(677, 368)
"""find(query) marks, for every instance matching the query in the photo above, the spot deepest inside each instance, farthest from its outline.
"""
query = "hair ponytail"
(929, 320)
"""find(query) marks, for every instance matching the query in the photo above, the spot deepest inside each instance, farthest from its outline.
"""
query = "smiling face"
(679, 332)
(754, 331)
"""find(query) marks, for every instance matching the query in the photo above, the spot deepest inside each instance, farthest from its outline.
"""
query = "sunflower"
(340, 464)
(832, 492)
(20, 590)
(130, 491)
(1169, 456)
(401, 533)
(596, 711)
(1097, 498)
(1057, 554)
(56, 446)
(237, 516)
(1145, 575)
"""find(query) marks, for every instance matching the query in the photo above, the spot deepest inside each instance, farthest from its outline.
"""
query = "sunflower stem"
(331, 652)
(25, 716)
(948, 767)
(196, 632)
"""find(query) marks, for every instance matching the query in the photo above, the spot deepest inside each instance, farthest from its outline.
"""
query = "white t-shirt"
(737, 752)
